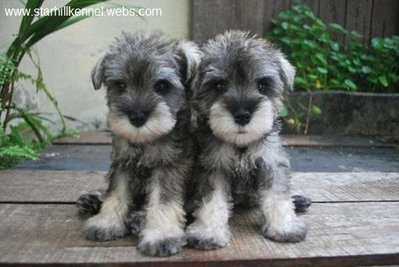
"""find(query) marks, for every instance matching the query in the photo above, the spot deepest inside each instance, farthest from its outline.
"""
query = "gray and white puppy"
(236, 102)
(147, 77)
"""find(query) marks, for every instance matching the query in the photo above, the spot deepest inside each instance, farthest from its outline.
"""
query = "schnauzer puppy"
(146, 77)
(236, 102)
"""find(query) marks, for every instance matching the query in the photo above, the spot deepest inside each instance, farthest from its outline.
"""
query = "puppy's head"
(146, 77)
(239, 87)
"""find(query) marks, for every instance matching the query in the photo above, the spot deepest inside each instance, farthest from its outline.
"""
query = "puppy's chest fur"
(245, 167)
(140, 160)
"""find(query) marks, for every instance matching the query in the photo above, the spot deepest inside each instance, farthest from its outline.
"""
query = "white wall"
(67, 56)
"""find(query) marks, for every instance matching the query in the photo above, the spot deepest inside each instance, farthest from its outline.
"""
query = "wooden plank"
(337, 187)
(358, 17)
(385, 18)
(250, 16)
(86, 138)
(65, 186)
(333, 11)
(47, 186)
(331, 141)
(349, 234)
(104, 138)
(271, 10)
(314, 5)
(211, 17)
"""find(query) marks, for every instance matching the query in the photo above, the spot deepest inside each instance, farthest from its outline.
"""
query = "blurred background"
(339, 47)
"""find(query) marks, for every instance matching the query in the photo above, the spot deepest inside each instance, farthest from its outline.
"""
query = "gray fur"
(149, 169)
(251, 169)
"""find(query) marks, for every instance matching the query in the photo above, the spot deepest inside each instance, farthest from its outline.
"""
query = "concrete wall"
(68, 56)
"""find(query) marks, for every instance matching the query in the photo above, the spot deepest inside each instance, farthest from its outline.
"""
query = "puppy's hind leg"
(110, 222)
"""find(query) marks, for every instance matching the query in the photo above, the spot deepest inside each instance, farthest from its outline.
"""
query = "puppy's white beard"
(224, 127)
(160, 123)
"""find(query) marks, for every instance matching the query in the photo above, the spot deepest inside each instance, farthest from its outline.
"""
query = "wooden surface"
(50, 186)
(354, 219)
(92, 138)
(371, 18)
(104, 138)
(355, 222)
(340, 235)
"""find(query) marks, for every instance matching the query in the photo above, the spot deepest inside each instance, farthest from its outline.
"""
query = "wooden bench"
(354, 220)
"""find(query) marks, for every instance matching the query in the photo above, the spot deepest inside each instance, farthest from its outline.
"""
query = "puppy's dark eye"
(162, 87)
(219, 85)
(264, 84)
(120, 85)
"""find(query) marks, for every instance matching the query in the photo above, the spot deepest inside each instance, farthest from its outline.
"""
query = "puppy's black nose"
(138, 118)
(242, 116)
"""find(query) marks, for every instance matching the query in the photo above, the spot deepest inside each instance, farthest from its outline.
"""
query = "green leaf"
(366, 69)
(322, 70)
(383, 80)
(16, 151)
(321, 58)
(284, 112)
(49, 24)
(315, 110)
(350, 84)
(337, 28)
(284, 25)
(334, 46)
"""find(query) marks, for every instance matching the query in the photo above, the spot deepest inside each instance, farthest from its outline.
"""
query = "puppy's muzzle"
(139, 118)
(242, 116)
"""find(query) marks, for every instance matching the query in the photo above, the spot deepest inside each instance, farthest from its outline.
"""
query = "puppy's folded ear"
(97, 74)
(190, 58)
(287, 74)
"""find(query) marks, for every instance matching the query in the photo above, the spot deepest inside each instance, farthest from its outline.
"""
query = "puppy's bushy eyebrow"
(169, 74)
(210, 74)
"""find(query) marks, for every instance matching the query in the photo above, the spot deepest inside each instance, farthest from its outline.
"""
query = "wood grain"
(65, 186)
(340, 235)
(371, 18)
(103, 138)
(86, 138)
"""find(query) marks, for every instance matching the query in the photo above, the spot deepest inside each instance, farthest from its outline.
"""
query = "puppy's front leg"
(281, 222)
(163, 234)
(210, 230)
(109, 223)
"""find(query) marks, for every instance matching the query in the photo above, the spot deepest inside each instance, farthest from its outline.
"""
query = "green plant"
(14, 146)
(323, 62)
(297, 116)
(28, 133)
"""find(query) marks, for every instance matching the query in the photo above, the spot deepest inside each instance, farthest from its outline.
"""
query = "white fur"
(279, 214)
(193, 56)
(114, 209)
(211, 219)
(160, 123)
(289, 72)
(224, 127)
(162, 220)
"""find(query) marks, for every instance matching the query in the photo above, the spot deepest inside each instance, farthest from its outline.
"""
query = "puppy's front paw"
(207, 239)
(301, 203)
(89, 203)
(162, 247)
(101, 229)
(290, 231)
(136, 222)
